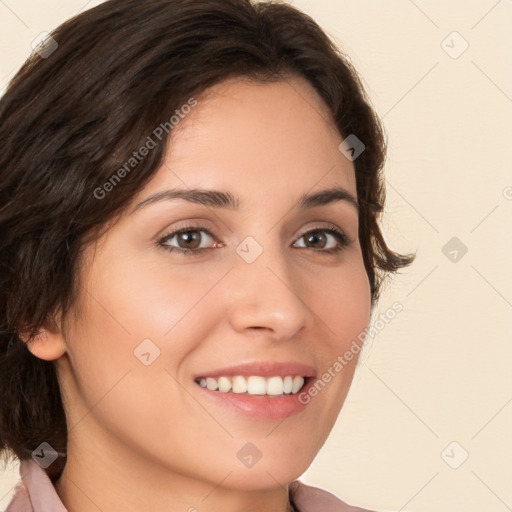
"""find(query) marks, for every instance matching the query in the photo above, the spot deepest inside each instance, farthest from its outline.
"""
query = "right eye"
(188, 236)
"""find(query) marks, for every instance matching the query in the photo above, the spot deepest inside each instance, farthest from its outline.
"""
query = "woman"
(190, 195)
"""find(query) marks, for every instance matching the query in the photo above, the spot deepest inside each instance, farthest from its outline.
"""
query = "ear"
(49, 344)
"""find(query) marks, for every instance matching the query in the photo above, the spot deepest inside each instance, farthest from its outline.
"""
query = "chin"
(268, 472)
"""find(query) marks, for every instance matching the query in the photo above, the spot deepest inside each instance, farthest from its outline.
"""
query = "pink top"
(36, 493)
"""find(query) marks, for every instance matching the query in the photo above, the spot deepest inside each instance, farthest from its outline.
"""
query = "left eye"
(322, 235)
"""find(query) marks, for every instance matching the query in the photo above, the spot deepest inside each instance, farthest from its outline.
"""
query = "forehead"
(267, 138)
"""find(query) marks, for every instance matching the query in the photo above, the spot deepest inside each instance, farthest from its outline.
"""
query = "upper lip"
(263, 368)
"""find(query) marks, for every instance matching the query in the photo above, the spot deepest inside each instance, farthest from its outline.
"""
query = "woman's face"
(261, 290)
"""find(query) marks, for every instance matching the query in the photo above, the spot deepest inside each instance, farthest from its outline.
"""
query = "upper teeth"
(253, 385)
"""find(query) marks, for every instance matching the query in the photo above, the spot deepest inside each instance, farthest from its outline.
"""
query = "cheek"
(138, 312)
(138, 299)
(150, 310)
(342, 305)
(342, 300)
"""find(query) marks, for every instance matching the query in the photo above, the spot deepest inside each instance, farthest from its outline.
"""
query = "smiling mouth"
(254, 384)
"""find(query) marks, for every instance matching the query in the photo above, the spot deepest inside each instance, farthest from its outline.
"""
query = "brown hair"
(71, 118)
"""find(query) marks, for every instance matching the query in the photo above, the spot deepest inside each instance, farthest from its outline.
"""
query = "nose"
(268, 295)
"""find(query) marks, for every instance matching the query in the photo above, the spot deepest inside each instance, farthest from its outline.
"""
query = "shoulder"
(34, 492)
(308, 498)
(20, 501)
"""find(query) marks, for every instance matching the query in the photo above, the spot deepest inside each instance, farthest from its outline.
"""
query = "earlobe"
(48, 344)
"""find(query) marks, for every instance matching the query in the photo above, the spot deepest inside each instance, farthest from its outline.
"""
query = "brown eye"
(320, 239)
(187, 240)
(317, 239)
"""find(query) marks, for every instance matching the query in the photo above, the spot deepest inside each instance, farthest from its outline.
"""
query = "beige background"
(439, 372)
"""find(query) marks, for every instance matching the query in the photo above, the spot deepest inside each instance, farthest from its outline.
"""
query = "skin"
(143, 437)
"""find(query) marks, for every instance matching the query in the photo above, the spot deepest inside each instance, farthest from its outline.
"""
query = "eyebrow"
(222, 199)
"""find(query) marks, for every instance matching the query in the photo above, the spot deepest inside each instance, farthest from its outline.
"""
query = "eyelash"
(341, 237)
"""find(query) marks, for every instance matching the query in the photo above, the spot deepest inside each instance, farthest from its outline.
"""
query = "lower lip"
(261, 406)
